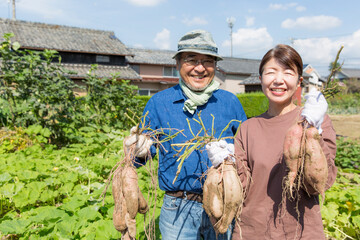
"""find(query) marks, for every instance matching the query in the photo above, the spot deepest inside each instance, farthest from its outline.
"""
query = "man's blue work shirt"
(165, 110)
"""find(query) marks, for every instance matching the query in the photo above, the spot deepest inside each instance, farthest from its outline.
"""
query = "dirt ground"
(347, 125)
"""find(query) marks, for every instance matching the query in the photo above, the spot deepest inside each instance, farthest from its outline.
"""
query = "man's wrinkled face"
(196, 70)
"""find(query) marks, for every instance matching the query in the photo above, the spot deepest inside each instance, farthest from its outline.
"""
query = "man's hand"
(315, 108)
(218, 151)
(141, 141)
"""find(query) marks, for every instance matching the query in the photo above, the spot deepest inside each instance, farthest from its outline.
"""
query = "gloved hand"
(218, 151)
(315, 108)
(141, 141)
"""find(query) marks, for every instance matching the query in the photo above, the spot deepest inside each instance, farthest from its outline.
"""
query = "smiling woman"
(270, 148)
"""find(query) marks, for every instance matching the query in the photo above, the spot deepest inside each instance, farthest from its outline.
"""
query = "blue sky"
(315, 28)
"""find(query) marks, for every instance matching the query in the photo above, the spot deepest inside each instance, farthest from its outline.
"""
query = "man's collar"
(178, 95)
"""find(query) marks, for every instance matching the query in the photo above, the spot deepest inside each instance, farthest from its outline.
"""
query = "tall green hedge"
(253, 103)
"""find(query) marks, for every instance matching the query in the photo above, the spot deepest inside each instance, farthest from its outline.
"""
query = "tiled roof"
(239, 65)
(252, 80)
(351, 72)
(149, 56)
(124, 72)
(63, 38)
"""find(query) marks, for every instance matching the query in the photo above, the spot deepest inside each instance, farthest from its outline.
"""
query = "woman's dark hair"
(286, 56)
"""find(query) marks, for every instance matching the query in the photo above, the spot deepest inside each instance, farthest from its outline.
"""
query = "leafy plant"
(106, 101)
(341, 209)
(34, 88)
(348, 152)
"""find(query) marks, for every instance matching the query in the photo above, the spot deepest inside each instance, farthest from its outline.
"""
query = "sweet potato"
(222, 195)
(213, 194)
(130, 190)
(292, 154)
(131, 224)
(233, 196)
(128, 201)
(315, 167)
(143, 206)
(120, 206)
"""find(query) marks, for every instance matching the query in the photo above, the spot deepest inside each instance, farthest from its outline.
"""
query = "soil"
(347, 125)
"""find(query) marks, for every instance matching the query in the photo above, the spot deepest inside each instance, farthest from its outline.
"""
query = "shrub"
(254, 104)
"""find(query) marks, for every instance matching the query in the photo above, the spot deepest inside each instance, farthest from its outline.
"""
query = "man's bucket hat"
(198, 41)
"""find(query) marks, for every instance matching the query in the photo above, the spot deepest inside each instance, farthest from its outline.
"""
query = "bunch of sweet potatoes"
(222, 195)
(128, 201)
(305, 160)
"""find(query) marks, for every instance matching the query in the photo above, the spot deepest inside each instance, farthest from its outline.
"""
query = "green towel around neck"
(196, 99)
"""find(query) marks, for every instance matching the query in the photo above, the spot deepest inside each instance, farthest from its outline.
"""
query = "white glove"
(315, 108)
(218, 151)
(143, 142)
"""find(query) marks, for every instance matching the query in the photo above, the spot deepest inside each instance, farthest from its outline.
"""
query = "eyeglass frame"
(202, 61)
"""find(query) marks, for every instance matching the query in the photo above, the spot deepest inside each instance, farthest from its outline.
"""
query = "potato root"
(223, 195)
(292, 154)
(213, 194)
(130, 190)
(128, 201)
(315, 167)
(120, 205)
(305, 160)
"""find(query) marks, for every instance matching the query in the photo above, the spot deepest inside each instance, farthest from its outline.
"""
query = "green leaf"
(27, 175)
(5, 177)
(16, 226)
(16, 46)
(47, 214)
(73, 205)
(356, 221)
(329, 211)
(90, 213)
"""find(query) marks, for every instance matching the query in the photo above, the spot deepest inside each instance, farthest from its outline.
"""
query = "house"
(311, 79)
(348, 73)
(157, 69)
(236, 75)
(79, 48)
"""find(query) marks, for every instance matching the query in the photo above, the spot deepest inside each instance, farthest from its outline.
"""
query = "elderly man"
(182, 215)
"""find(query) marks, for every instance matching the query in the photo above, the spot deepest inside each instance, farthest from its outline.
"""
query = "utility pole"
(230, 22)
(13, 10)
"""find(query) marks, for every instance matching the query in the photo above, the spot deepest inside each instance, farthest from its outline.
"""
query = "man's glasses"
(208, 62)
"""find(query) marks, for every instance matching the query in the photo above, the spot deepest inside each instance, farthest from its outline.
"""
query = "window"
(136, 68)
(170, 72)
(147, 92)
(102, 59)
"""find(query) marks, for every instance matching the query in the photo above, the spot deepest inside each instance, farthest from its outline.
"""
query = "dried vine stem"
(332, 87)
(197, 142)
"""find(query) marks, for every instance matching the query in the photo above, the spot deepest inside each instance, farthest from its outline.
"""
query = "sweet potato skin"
(128, 201)
(233, 197)
(315, 166)
(222, 195)
(292, 153)
(212, 194)
(120, 205)
(130, 190)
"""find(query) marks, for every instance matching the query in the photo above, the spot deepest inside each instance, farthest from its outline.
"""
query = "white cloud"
(44, 8)
(194, 21)
(276, 6)
(145, 3)
(314, 23)
(322, 51)
(250, 21)
(162, 39)
(300, 8)
(250, 39)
